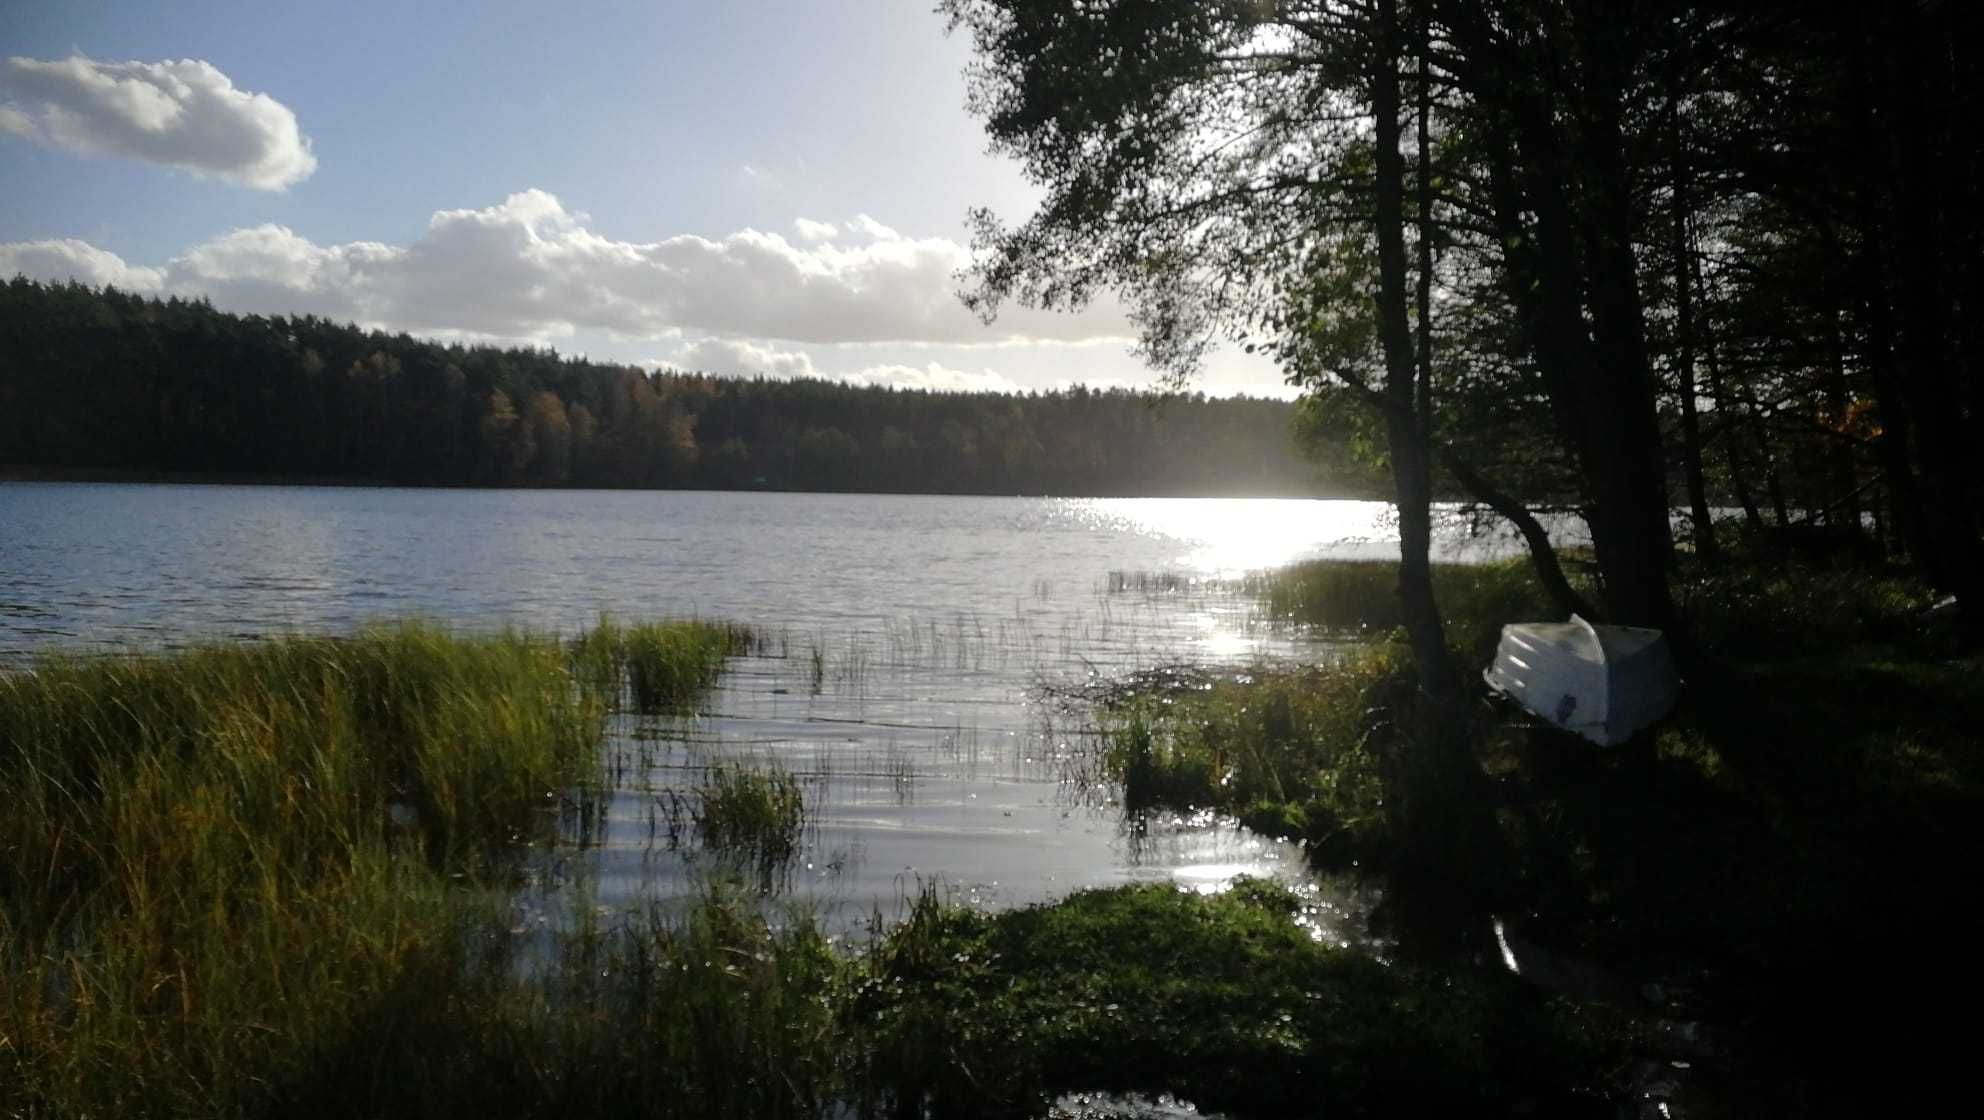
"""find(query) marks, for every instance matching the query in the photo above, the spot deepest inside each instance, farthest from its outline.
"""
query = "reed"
(755, 813)
(1285, 749)
(658, 668)
(225, 866)
(1362, 595)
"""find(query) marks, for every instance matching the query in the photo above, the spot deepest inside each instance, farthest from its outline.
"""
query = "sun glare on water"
(1229, 537)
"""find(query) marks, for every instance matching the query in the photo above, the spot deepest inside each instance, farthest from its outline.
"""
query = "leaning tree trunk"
(1441, 834)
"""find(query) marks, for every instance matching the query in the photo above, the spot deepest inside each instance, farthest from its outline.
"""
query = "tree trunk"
(1684, 362)
(1726, 412)
(1634, 537)
(1442, 837)
(1542, 554)
(1404, 427)
(1561, 252)
(1918, 134)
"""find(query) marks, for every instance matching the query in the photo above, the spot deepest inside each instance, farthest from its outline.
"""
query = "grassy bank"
(276, 880)
(1360, 597)
(1222, 1000)
(220, 864)
(273, 880)
(1786, 858)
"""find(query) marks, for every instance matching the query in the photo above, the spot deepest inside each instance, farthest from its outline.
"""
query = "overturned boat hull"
(1605, 683)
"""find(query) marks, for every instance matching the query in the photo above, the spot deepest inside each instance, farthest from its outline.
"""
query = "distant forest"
(105, 381)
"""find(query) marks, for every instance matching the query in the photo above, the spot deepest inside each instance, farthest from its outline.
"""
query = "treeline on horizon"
(107, 381)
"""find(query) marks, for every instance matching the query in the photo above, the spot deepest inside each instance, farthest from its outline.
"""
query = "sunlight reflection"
(1215, 878)
(1230, 536)
(1227, 646)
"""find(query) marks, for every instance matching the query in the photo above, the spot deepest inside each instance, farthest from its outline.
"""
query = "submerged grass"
(218, 863)
(1362, 595)
(658, 667)
(1287, 750)
(755, 815)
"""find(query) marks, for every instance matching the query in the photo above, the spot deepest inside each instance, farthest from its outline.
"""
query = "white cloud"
(529, 269)
(738, 358)
(874, 229)
(184, 114)
(743, 358)
(810, 230)
(70, 259)
(935, 377)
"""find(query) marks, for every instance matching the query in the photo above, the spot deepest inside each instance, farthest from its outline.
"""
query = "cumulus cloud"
(742, 358)
(184, 114)
(739, 358)
(810, 230)
(70, 259)
(936, 377)
(529, 269)
(864, 224)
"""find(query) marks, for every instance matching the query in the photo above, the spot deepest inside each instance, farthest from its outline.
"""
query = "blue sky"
(753, 186)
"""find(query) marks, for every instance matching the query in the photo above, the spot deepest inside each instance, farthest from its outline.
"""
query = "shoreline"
(102, 475)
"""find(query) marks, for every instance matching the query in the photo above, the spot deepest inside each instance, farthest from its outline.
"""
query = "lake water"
(925, 747)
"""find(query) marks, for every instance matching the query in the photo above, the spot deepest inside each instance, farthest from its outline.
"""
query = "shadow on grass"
(1796, 847)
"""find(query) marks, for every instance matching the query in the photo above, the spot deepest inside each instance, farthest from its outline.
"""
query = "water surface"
(909, 638)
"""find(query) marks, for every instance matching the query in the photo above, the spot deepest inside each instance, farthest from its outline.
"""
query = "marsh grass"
(275, 881)
(1285, 749)
(756, 814)
(218, 861)
(658, 668)
(1362, 595)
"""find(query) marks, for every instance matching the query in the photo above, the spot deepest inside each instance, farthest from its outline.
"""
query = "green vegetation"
(1223, 1000)
(1288, 751)
(662, 667)
(123, 386)
(755, 813)
(222, 865)
(1805, 811)
(1362, 595)
(269, 881)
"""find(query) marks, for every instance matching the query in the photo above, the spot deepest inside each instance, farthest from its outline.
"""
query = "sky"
(741, 187)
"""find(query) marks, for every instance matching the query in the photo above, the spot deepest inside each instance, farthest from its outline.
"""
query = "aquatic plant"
(1362, 595)
(657, 667)
(272, 880)
(228, 864)
(757, 813)
(1286, 749)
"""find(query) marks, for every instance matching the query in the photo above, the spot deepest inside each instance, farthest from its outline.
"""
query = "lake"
(911, 640)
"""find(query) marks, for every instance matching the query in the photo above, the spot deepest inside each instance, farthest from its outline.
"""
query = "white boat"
(1605, 683)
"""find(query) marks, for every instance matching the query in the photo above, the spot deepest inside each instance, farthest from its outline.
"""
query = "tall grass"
(752, 815)
(1766, 607)
(272, 880)
(1285, 750)
(216, 862)
(658, 668)
(1475, 599)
